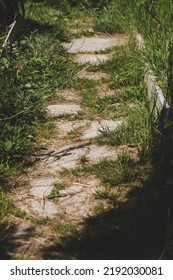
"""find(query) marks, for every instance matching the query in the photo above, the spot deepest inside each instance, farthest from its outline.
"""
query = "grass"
(110, 19)
(75, 133)
(113, 173)
(139, 129)
(87, 90)
(30, 74)
(55, 193)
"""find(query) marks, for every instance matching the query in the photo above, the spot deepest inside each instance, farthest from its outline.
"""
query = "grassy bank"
(134, 217)
(30, 73)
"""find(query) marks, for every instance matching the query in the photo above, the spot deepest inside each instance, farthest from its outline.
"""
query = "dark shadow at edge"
(140, 228)
(13, 240)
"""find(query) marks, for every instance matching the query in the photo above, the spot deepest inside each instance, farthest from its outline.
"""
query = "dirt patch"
(103, 90)
(69, 95)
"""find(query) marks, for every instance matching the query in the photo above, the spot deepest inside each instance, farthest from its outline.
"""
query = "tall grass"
(153, 19)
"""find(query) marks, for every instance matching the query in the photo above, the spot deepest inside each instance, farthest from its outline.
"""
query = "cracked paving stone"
(67, 126)
(34, 206)
(69, 157)
(43, 186)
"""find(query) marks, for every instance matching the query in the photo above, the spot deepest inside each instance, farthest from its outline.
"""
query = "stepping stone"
(67, 126)
(36, 206)
(46, 208)
(43, 187)
(70, 156)
(79, 200)
(91, 44)
(97, 127)
(91, 58)
(63, 109)
(92, 75)
(66, 157)
(98, 153)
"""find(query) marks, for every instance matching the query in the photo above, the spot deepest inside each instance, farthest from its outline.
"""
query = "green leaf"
(8, 146)
(5, 62)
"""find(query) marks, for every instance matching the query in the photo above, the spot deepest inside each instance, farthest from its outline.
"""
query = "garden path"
(50, 194)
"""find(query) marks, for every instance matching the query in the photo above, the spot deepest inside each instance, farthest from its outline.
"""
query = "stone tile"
(79, 200)
(43, 186)
(67, 126)
(59, 110)
(66, 157)
(97, 127)
(33, 206)
(98, 153)
(91, 44)
(46, 209)
(91, 58)
(20, 232)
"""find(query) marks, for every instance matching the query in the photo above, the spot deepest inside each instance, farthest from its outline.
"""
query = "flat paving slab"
(36, 205)
(78, 199)
(69, 157)
(90, 129)
(66, 157)
(42, 187)
(76, 202)
(98, 153)
(92, 44)
(59, 110)
(92, 58)
(66, 126)
(97, 127)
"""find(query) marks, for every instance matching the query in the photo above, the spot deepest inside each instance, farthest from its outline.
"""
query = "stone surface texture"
(92, 44)
(59, 110)
(76, 200)
(97, 127)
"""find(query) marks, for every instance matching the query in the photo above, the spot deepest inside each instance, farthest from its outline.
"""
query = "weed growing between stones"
(128, 196)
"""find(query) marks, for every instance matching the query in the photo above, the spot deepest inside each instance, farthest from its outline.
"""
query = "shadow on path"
(139, 228)
(16, 236)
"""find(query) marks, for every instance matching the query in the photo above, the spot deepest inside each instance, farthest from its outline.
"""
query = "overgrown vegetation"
(29, 73)
(34, 68)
